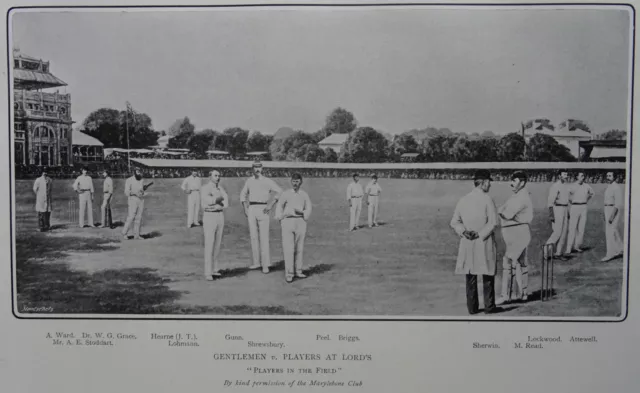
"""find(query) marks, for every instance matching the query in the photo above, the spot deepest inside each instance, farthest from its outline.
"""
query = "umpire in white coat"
(191, 186)
(475, 220)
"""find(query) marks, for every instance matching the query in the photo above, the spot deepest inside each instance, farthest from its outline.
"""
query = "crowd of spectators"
(120, 169)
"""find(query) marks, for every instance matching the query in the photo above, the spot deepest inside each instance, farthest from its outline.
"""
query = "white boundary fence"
(572, 166)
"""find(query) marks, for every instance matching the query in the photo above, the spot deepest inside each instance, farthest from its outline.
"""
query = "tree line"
(363, 143)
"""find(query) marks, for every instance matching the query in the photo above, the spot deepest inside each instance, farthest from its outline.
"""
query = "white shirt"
(134, 186)
(354, 190)
(290, 201)
(192, 183)
(373, 189)
(258, 190)
(108, 186)
(83, 183)
(209, 193)
(517, 210)
(613, 195)
(558, 194)
(580, 193)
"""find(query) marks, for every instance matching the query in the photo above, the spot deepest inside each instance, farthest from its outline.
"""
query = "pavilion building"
(42, 120)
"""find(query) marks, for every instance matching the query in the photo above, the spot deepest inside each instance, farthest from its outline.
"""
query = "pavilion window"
(64, 155)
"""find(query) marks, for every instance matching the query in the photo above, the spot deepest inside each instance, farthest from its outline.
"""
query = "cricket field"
(404, 268)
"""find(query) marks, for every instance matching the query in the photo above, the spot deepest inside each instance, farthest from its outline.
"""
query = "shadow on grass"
(498, 310)
(318, 269)
(235, 272)
(45, 280)
(535, 296)
(151, 235)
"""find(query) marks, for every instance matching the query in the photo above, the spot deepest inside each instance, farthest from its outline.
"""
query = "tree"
(438, 148)
(181, 126)
(461, 150)
(339, 121)
(199, 143)
(545, 148)
(311, 152)
(365, 145)
(485, 149)
(236, 141)
(276, 149)
(401, 144)
(294, 146)
(613, 135)
(511, 147)
(330, 155)
(258, 141)
(488, 134)
(111, 126)
(179, 141)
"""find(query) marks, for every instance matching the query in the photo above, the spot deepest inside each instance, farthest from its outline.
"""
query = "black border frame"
(629, 176)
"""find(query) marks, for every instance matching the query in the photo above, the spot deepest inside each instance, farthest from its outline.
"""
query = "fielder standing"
(515, 216)
(134, 189)
(354, 198)
(558, 204)
(373, 191)
(42, 189)
(579, 195)
(613, 204)
(84, 187)
(475, 220)
(191, 186)
(107, 190)
(255, 200)
(214, 201)
(293, 211)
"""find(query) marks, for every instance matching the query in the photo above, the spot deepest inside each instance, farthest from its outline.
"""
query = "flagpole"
(127, 127)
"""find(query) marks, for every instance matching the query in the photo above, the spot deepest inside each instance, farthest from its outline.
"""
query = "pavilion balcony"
(40, 96)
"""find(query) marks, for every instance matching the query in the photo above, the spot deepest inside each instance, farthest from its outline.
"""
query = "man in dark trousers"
(475, 220)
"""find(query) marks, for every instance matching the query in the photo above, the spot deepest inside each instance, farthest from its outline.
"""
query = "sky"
(394, 69)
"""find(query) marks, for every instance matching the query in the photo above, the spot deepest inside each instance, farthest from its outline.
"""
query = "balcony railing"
(41, 114)
(19, 95)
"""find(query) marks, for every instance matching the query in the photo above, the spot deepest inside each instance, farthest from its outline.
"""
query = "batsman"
(134, 189)
(515, 216)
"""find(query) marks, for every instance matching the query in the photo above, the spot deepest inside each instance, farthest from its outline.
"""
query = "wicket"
(72, 211)
(546, 272)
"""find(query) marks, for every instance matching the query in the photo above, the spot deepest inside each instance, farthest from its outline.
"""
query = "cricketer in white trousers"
(256, 192)
(192, 186)
(213, 225)
(580, 194)
(355, 210)
(134, 190)
(354, 197)
(373, 209)
(558, 201)
(84, 187)
(515, 216)
(577, 224)
(615, 244)
(136, 206)
(560, 228)
(293, 209)
(193, 207)
(259, 233)
(613, 199)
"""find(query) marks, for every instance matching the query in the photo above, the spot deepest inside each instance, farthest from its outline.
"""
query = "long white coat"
(476, 211)
(42, 188)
